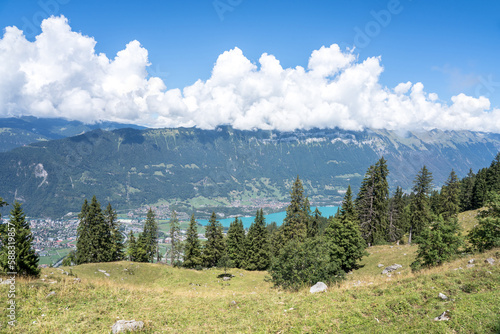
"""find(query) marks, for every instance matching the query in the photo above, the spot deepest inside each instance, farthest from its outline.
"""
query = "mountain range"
(195, 170)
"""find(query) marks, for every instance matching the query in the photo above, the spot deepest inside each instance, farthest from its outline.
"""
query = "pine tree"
(372, 203)
(141, 248)
(493, 175)
(297, 215)
(175, 240)
(116, 235)
(257, 249)
(450, 197)
(132, 247)
(192, 251)
(347, 209)
(17, 254)
(420, 213)
(149, 242)
(480, 189)
(236, 243)
(214, 246)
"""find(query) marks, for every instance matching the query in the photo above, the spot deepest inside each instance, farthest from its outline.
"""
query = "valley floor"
(168, 299)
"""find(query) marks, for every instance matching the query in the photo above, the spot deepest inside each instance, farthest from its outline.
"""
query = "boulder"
(122, 326)
(490, 260)
(442, 296)
(443, 317)
(226, 278)
(318, 287)
(391, 268)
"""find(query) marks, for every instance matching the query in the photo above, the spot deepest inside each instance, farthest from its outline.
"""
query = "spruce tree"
(397, 222)
(132, 247)
(347, 209)
(450, 197)
(214, 246)
(297, 215)
(192, 250)
(17, 254)
(486, 234)
(236, 243)
(257, 249)
(175, 240)
(420, 212)
(101, 243)
(314, 223)
(438, 243)
(83, 236)
(345, 242)
(480, 189)
(142, 247)
(149, 241)
(467, 191)
(493, 175)
(372, 203)
(116, 236)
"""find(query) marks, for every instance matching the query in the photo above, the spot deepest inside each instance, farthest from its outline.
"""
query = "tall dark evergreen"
(467, 191)
(397, 220)
(420, 211)
(192, 249)
(347, 209)
(486, 234)
(236, 243)
(372, 203)
(313, 229)
(480, 190)
(214, 246)
(257, 247)
(450, 197)
(344, 239)
(493, 175)
(175, 240)
(117, 253)
(94, 242)
(297, 214)
(18, 253)
(131, 247)
(149, 241)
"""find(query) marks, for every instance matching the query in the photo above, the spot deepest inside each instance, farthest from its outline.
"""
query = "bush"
(301, 263)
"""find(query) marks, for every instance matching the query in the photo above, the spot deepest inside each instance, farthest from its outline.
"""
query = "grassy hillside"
(179, 300)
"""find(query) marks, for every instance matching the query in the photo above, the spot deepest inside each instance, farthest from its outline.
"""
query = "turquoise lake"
(326, 211)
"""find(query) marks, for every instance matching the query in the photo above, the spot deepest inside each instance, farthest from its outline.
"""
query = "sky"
(394, 64)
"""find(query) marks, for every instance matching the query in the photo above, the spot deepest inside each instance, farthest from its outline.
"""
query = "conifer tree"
(345, 242)
(480, 189)
(450, 197)
(297, 215)
(397, 222)
(116, 235)
(257, 249)
(236, 243)
(83, 236)
(141, 249)
(372, 203)
(438, 243)
(214, 246)
(314, 223)
(467, 191)
(192, 250)
(175, 243)
(493, 175)
(132, 247)
(149, 241)
(347, 209)
(486, 234)
(420, 212)
(17, 253)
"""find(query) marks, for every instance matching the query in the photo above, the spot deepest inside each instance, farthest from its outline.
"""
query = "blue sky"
(451, 47)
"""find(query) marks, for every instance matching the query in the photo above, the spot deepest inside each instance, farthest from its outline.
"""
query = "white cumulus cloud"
(61, 75)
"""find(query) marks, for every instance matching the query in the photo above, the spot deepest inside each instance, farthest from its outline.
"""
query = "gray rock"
(442, 296)
(122, 326)
(443, 317)
(318, 287)
(380, 265)
(226, 278)
(106, 274)
(391, 268)
(490, 260)
(471, 261)
(102, 271)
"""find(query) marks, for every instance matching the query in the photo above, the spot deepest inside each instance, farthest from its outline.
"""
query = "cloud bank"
(61, 75)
